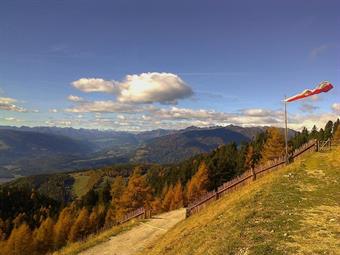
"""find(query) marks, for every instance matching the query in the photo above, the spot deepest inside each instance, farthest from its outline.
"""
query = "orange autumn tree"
(167, 200)
(79, 229)
(117, 189)
(19, 241)
(137, 194)
(274, 146)
(43, 236)
(178, 197)
(63, 226)
(197, 186)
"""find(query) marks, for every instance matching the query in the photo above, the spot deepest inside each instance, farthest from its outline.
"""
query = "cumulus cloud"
(89, 85)
(53, 110)
(153, 87)
(8, 104)
(73, 98)
(336, 108)
(142, 88)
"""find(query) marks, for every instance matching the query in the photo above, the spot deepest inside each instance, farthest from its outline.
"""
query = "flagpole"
(286, 130)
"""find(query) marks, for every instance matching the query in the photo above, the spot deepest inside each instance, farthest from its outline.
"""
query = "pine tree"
(328, 130)
(19, 241)
(274, 146)
(336, 125)
(197, 186)
(314, 133)
(336, 137)
(43, 236)
(79, 229)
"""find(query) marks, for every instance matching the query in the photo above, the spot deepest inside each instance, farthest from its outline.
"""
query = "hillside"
(26, 152)
(295, 210)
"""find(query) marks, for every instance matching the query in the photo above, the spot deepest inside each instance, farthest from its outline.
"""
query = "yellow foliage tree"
(79, 229)
(177, 201)
(274, 146)
(197, 186)
(19, 241)
(63, 226)
(168, 198)
(117, 189)
(137, 194)
(95, 218)
(43, 236)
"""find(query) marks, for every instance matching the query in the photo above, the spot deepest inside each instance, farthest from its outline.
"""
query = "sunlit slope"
(295, 210)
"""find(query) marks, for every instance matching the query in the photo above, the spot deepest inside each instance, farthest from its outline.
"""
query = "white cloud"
(143, 88)
(153, 87)
(94, 85)
(53, 110)
(103, 107)
(75, 98)
(257, 112)
(336, 108)
(12, 119)
(7, 100)
(7, 104)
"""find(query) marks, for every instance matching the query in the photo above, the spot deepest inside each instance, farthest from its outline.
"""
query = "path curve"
(134, 240)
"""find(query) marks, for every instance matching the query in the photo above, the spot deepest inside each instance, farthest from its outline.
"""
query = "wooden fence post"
(253, 173)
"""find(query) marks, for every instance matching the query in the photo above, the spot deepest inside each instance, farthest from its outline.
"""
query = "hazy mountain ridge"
(36, 150)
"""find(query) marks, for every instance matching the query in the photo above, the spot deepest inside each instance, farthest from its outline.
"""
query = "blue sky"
(138, 65)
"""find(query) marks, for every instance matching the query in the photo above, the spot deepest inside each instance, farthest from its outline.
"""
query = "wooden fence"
(140, 213)
(247, 177)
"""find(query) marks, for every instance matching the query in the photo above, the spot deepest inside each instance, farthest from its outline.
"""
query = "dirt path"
(134, 240)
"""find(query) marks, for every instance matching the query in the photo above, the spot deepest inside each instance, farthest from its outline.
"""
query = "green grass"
(295, 210)
(93, 240)
(80, 184)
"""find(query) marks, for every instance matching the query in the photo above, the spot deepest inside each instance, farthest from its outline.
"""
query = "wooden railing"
(140, 213)
(246, 177)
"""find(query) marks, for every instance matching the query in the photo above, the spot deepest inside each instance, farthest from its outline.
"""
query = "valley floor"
(295, 210)
(134, 240)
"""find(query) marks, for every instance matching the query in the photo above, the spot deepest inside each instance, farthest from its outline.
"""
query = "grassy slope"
(295, 210)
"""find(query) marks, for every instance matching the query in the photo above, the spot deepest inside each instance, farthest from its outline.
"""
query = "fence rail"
(246, 177)
(139, 213)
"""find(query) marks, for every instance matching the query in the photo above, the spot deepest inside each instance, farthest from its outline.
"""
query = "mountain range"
(35, 150)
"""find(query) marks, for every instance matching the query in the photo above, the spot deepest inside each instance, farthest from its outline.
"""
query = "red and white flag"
(322, 87)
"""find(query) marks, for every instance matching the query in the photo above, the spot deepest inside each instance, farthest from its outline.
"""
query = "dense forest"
(36, 219)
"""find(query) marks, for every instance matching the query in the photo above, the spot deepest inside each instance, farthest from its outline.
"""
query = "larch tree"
(274, 146)
(117, 189)
(168, 198)
(63, 226)
(197, 186)
(178, 198)
(43, 236)
(137, 194)
(19, 241)
(79, 229)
